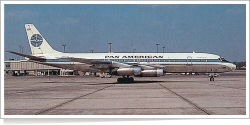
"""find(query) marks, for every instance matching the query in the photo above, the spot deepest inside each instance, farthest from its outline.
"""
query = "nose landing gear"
(211, 78)
(212, 75)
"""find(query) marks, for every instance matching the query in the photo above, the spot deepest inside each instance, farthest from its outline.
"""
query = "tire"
(120, 80)
(131, 79)
(212, 79)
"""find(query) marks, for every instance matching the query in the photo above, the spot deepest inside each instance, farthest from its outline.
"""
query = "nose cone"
(232, 66)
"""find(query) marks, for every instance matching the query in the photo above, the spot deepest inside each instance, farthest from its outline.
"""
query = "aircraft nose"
(232, 66)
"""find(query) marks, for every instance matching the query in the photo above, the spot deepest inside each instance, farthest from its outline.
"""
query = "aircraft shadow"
(135, 82)
(95, 83)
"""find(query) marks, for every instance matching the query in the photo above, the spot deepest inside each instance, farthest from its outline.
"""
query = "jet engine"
(152, 73)
(129, 71)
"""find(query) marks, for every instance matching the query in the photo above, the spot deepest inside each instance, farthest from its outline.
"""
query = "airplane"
(126, 65)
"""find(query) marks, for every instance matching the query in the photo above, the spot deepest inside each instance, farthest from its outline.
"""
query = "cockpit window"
(223, 59)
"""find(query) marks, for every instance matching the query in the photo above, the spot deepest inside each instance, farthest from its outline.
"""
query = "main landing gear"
(212, 75)
(125, 79)
(212, 78)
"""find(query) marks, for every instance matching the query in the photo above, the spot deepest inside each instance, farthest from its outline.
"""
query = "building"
(25, 67)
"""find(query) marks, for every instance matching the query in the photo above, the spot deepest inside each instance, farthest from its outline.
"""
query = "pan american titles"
(131, 57)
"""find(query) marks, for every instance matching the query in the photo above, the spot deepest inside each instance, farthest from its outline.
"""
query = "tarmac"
(89, 95)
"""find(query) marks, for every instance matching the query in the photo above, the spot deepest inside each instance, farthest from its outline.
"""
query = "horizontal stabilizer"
(27, 56)
(86, 61)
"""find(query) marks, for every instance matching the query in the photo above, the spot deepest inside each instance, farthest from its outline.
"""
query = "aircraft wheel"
(120, 80)
(126, 80)
(131, 79)
(212, 79)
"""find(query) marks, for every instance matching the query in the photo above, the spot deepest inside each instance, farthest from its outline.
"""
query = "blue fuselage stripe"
(142, 60)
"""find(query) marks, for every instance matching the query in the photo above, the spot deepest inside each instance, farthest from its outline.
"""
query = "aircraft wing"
(93, 64)
(27, 56)
(86, 61)
(112, 64)
(79, 67)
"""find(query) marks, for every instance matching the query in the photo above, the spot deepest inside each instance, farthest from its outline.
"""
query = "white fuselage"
(126, 63)
(169, 62)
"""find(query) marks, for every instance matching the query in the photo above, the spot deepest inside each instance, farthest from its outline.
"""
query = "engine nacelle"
(129, 71)
(152, 73)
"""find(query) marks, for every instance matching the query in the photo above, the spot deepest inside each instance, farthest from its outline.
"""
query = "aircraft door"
(189, 65)
(138, 60)
(71, 62)
(148, 60)
(189, 60)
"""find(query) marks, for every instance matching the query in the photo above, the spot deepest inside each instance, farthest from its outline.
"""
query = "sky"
(211, 28)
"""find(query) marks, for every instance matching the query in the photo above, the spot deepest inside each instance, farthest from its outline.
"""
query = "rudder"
(38, 43)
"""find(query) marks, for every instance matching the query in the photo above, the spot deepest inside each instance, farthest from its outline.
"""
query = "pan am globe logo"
(36, 40)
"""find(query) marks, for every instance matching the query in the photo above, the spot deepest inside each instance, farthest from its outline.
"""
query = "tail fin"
(38, 44)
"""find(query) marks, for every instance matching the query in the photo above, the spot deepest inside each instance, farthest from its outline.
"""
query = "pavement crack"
(193, 104)
(71, 100)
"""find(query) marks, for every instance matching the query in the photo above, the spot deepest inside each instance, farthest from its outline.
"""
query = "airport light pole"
(20, 51)
(20, 48)
(110, 44)
(163, 48)
(157, 44)
(64, 45)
